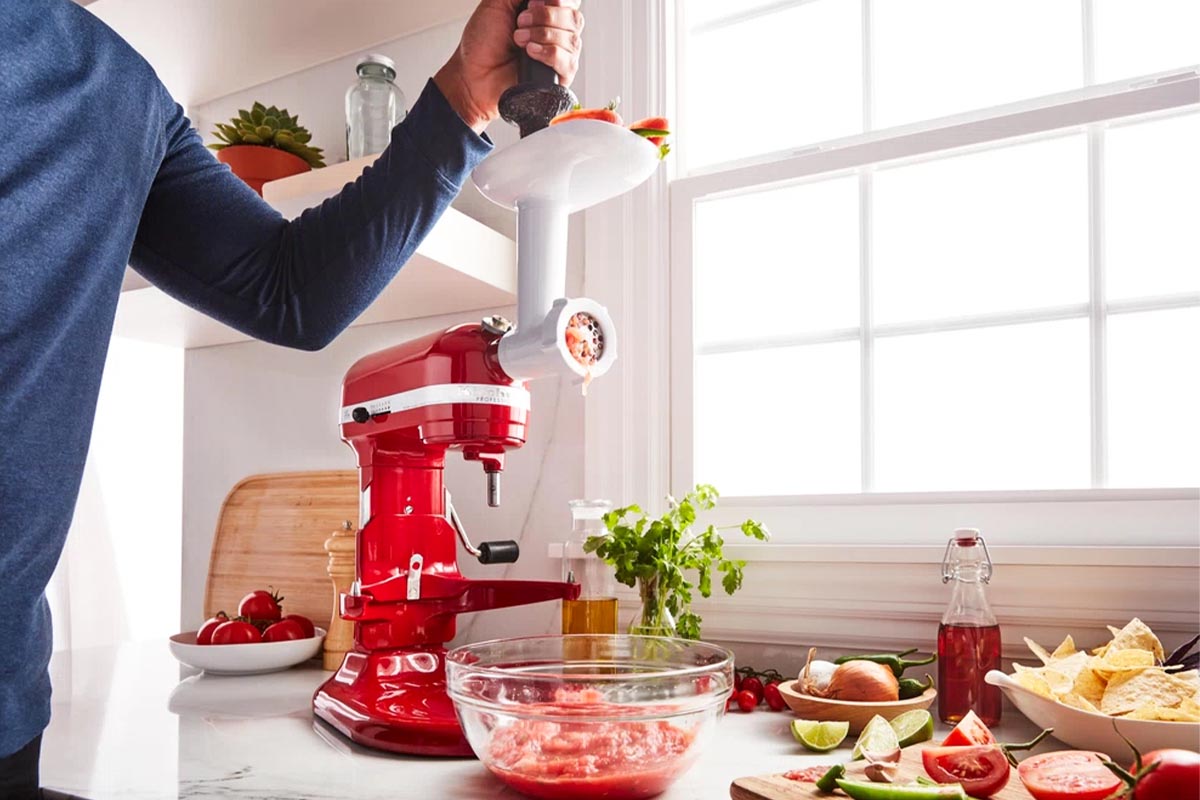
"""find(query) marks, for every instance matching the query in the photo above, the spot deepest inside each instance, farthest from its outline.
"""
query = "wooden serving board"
(777, 787)
(271, 532)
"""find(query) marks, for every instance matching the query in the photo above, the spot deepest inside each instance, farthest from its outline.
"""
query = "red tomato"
(746, 700)
(982, 769)
(970, 730)
(305, 624)
(737, 681)
(260, 605)
(1068, 775)
(1177, 776)
(236, 633)
(754, 686)
(204, 635)
(284, 630)
(774, 699)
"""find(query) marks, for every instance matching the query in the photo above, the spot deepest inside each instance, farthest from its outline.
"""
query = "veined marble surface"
(130, 723)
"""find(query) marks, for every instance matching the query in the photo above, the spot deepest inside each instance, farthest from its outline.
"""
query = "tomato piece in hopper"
(584, 343)
(616, 760)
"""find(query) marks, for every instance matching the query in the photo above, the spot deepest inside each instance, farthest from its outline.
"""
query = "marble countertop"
(129, 722)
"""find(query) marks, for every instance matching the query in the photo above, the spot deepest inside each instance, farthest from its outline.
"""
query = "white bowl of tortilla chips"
(1082, 695)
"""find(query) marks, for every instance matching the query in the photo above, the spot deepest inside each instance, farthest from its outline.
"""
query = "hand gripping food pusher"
(465, 389)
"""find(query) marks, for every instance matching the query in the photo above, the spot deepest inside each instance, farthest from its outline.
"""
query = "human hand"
(485, 63)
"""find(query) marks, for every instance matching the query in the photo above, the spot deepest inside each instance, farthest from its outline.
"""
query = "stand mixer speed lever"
(505, 551)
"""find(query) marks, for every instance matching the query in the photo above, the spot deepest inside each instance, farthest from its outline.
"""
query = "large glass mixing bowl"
(581, 716)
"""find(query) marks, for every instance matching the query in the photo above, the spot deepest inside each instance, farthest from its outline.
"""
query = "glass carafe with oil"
(596, 609)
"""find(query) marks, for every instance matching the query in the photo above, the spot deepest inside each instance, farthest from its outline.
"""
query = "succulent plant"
(268, 127)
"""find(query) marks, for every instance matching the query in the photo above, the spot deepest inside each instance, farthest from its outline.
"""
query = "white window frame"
(638, 423)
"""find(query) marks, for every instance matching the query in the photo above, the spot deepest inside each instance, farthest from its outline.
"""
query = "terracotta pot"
(256, 164)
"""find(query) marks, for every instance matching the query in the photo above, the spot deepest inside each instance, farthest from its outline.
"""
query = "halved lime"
(877, 737)
(913, 726)
(820, 737)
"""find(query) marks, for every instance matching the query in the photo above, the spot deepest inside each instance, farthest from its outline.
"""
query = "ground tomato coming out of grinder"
(616, 760)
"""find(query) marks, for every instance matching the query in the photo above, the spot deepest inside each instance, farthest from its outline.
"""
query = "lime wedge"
(913, 726)
(820, 737)
(877, 737)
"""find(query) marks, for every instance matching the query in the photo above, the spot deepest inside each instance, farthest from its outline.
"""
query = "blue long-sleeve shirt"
(100, 168)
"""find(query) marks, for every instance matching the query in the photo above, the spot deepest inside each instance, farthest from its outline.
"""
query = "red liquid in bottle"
(965, 654)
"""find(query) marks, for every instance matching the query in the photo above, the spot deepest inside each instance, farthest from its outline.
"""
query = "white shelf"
(462, 265)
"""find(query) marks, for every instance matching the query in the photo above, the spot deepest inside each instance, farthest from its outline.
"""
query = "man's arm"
(207, 239)
(210, 241)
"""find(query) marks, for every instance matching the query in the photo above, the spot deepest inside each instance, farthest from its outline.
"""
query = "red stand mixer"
(463, 389)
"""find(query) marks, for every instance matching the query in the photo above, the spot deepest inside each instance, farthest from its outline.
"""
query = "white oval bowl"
(244, 659)
(1086, 730)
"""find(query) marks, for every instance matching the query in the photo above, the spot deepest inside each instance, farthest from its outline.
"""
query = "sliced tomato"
(970, 730)
(808, 775)
(1068, 775)
(602, 114)
(982, 769)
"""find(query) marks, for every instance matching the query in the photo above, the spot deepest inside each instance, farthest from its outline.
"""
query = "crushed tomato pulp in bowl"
(619, 717)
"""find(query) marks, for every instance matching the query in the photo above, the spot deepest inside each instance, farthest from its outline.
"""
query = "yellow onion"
(863, 682)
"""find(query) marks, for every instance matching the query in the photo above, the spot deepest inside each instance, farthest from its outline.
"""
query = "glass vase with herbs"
(659, 556)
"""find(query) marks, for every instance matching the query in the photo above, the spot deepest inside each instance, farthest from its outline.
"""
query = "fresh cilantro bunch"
(658, 555)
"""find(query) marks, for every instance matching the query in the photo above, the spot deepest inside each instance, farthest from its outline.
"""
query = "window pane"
(983, 409)
(938, 57)
(1152, 207)
(773, 82)
(702, 12)
(1138, 37)
(779, 421)
(777, 262)
(1154, 398)
(997, 230)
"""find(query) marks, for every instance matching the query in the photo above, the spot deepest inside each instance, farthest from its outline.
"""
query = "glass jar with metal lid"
(373, 107)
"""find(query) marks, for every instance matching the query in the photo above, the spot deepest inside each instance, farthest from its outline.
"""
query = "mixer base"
(393, 700)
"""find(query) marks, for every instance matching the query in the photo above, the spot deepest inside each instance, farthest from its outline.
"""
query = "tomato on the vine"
(204, 635)
(1068, 775)
(970, 730)
(755, 687)
(746, 700)
(236, 632)
(1177, 776)
(774, 699)
(261, 605)
(981, 769)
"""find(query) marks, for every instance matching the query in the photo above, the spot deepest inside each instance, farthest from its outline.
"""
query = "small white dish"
(1086, 730)
(244, 659)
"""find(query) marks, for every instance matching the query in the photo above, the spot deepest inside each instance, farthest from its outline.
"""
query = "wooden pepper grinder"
(340, 547)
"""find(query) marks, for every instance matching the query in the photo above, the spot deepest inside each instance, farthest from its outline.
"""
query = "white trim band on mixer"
(485, 394)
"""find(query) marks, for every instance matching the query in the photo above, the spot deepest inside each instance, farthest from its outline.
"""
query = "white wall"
(120, 560)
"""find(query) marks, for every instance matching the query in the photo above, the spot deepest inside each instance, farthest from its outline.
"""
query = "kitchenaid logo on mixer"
(440, 394)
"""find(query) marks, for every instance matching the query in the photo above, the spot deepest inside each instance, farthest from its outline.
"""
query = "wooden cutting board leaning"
(272, 531)
(777, 787)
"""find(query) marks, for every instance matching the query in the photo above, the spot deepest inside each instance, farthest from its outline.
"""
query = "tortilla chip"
(1057, 681)
(1136, 636)
(1031, 678)
(1090, 686)
(1077, 701)
(1127, 659)
(1177, 714)
(1039, 651)
(1067, 648)
(1072, 665)
(1127, 691)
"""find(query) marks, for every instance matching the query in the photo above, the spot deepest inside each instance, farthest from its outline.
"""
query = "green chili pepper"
(894, 661)
(862, 790)
(911, 687)
(829, 780)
